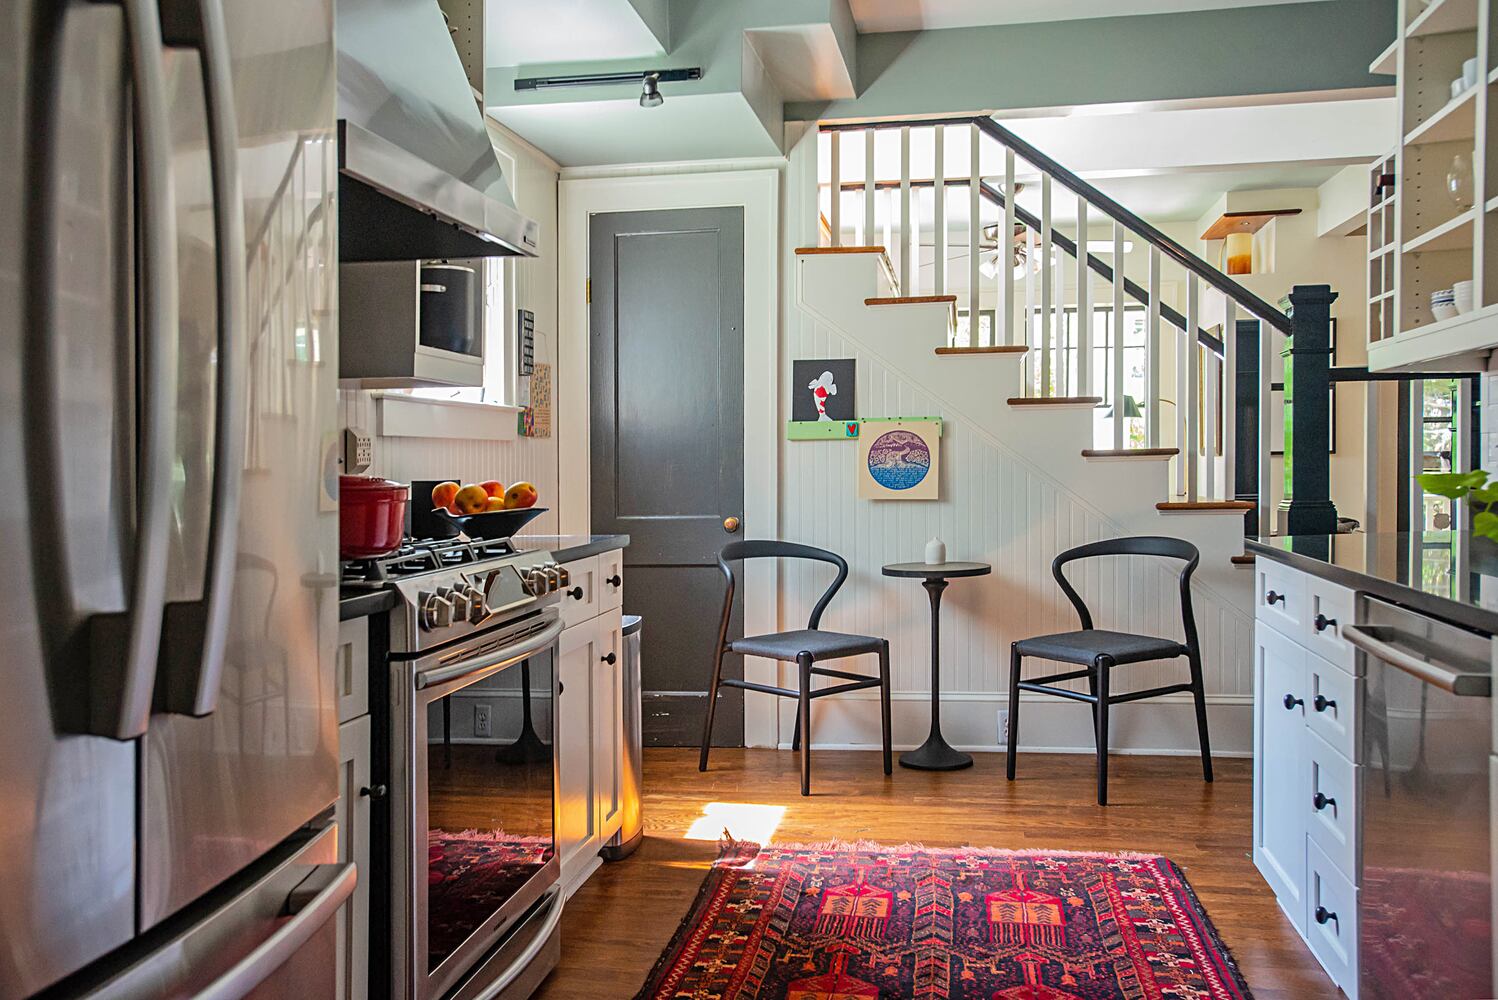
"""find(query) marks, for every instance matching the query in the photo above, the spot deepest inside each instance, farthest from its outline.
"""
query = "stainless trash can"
(632, 830)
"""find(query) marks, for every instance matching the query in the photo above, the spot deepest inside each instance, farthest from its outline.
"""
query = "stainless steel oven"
(473, 846)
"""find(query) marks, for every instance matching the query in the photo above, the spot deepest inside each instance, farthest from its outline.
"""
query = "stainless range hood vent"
(418, 175)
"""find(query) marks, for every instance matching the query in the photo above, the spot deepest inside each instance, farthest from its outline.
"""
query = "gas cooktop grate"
(417, 556)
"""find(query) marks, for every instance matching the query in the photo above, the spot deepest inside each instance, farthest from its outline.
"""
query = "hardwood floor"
(616, 925)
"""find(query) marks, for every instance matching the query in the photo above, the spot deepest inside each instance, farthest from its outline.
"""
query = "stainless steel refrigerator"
(168, 516)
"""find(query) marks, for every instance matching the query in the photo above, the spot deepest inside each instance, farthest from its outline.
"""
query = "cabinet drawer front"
(1332, 700)
(611, 580)
(580, 597)
(1332, 920)
(1328, 607)
(1280, 596)
(1280, 735)
(1332, 804)
(352, 668)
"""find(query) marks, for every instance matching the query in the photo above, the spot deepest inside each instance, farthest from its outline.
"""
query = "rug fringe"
(740, 851)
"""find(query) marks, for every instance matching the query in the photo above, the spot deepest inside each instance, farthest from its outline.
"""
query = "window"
(1135, 361)
(499, 341)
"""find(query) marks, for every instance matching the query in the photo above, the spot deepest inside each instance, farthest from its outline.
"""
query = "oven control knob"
(563, 576)
(553, 576)
(477, 609)
(535, 581)
(433, 611)
(457, 597)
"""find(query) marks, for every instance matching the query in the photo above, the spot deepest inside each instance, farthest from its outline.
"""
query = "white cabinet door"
(608, 722)
(577, 805)
(352, 816)
(352, 668)
(580, 596)
(611, 580)
(1280, 796)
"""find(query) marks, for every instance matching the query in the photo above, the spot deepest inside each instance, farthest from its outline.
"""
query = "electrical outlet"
(481, 721)
(358, 450)
(1003, 727)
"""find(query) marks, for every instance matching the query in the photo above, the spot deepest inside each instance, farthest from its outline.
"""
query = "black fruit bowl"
(491, 525)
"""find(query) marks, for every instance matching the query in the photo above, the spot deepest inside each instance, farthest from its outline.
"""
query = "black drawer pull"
(373, 791)
(1322, 623)
(1272, 597)
(1291, 702)
(1320, 801)
(576, 593)
(1321, 703)
(614, 581)
(611, 659)
(1323, 915)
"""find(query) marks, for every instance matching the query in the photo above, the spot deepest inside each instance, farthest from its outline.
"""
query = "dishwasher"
(1425, 906)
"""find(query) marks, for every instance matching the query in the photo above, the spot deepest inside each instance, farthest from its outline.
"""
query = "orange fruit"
(521, 495)
(472, 499)
(444, 495)
(495, 503)
(493, 487)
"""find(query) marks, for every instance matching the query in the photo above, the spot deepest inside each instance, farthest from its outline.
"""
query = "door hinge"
(590, 291)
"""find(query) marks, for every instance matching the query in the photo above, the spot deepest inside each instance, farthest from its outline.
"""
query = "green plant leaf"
(1486, 525)
(1485, 494)
(1452, 485)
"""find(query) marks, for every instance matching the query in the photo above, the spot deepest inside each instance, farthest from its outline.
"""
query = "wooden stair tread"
(816, 250)
(1167, 506)
(1246, 559)
(907, 300)
(1130, 452)
(1055, 400)
(1016, 349)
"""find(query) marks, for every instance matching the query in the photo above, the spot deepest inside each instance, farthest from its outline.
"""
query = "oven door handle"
(503, 658)
(524, 959)
(1379, 641)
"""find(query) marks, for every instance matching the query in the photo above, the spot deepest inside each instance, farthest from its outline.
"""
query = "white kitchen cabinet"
(1307, 760)
(351, 669)
(580, 596)
(351, 813)
(1279, 806)
(608, 722)
(611, 580)
(577, 807)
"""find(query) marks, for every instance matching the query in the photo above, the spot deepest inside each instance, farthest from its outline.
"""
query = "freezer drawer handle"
(1379, 641)
(197, 630)
(308, 909)
(543, 934)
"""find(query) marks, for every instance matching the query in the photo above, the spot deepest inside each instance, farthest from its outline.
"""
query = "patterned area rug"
(1419, 939)
(858, 922)
(469, 874)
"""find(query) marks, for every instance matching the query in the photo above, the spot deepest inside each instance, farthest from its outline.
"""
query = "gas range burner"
(419, 555)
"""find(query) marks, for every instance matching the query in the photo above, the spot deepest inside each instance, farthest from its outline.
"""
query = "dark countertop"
(1449, 575)
(563, 548)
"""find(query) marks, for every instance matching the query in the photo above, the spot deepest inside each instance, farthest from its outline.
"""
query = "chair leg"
(447, 732)
(712, 707)
(804, 661)
(796, 734)
(1014, 666)
(1199, 694)
(1102, 667)
(889, 747)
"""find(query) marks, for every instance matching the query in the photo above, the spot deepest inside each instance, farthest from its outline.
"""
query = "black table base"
(936, 754)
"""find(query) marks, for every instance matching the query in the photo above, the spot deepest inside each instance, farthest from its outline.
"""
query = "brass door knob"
(730, 524)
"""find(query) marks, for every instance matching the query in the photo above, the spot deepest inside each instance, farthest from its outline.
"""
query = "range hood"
(418, 178)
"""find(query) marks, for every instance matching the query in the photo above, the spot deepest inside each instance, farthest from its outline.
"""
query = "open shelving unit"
(1422, 237)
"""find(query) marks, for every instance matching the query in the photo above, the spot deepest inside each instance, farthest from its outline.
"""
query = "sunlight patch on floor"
(743, 820)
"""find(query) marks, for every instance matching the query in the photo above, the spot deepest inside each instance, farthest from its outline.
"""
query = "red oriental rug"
(469, 874)
(859, 922)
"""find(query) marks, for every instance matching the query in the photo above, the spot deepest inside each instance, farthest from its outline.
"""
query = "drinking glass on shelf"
(1459, 181)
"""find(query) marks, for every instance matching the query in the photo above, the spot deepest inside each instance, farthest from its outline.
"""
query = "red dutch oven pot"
(371, 516)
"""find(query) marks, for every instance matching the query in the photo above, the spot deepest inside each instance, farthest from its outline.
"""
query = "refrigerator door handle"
(193, 655)
(120, 699)
(311, 906)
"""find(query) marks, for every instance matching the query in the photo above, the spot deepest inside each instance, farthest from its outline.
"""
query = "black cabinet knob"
(614, 581)
(561, 687)
(1291, 702)
(1323, 915)
(1272, 597)
(1321, 801)
(373, 791)
(1321, 623)
(576, 593)
(611, 659)
(1321, 703)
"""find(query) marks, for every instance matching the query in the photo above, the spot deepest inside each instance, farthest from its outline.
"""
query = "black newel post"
(1307, 508)
(1246, 418)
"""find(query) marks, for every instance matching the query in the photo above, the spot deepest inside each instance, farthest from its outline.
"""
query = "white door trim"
(758, 193)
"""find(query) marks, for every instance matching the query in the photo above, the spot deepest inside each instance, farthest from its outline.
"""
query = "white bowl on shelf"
(1443, 304)
(1457, 87)
(1462, 296)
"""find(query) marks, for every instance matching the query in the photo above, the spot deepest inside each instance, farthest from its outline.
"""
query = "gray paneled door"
(667, 328)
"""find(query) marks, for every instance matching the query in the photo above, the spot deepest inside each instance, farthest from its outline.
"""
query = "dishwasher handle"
(1393, 646)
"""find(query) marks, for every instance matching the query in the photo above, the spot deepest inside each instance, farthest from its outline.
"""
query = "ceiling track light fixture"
(648, 79)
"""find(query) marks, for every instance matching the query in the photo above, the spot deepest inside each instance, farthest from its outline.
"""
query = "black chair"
(1099, 651)
(806, 647)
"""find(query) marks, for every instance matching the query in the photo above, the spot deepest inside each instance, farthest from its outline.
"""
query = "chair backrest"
(1136, 545)
(772, 549)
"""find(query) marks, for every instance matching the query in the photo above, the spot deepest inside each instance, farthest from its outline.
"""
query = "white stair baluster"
(1266, 446)
(974, 239)
(908, 234)
(1084, 306)
(1117, 354)
(1211, 369)
(1191, 450)
(868, 187)
(1005, 261)
(835, 216)
(1230, 401)
(1047, 287)
(939, 220)
(1152, 352)
(1029, 328)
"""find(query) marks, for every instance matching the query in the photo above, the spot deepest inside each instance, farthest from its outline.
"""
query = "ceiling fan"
(989, 250)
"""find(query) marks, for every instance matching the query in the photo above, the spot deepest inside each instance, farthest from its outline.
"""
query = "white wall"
(533, 180)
